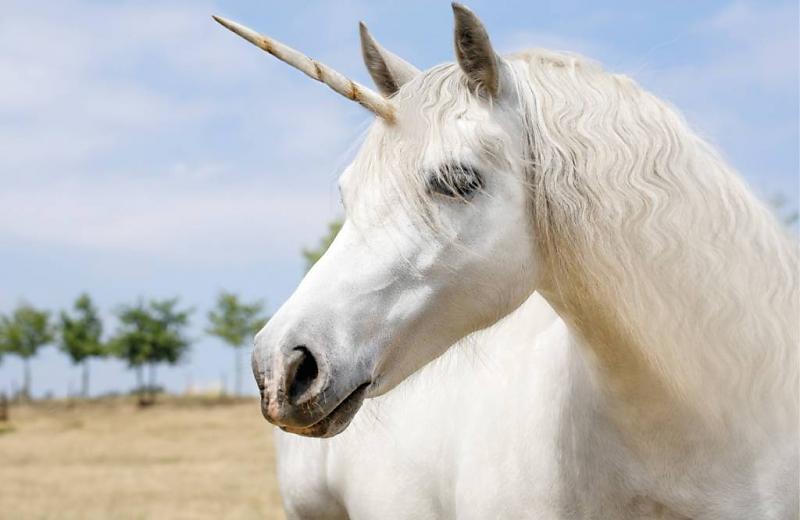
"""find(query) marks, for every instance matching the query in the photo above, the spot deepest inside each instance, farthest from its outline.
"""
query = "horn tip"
(246, 33)
(224, 22)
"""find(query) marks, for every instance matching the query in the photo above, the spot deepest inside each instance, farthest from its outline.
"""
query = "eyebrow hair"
(464, 185)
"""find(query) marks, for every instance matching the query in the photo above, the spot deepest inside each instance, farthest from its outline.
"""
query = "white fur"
(667, 388)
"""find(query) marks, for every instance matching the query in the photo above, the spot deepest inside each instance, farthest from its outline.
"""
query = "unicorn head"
(481, 182)
(435, 244)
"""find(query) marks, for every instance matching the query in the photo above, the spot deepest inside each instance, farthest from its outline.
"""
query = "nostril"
(305, 373)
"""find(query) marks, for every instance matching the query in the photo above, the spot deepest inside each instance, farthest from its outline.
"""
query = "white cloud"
(60, 98)
(97, 100)
(211, 221)
(741, 92)
(86, 98)
(551, 41)
(751, 47)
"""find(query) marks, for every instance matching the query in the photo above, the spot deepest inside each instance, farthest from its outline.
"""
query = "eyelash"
(455, 181)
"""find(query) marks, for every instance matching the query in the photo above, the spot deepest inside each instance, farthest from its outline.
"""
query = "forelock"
(439, 117)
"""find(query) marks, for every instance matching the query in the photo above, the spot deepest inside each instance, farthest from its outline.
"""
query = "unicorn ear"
(388, 71)
(474, 52)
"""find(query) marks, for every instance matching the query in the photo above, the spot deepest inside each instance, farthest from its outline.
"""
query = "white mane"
(633, 208)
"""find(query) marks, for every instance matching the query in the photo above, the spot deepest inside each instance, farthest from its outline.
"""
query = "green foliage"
(3, 342)
(22, 334)
(25, 331)
(313, 255)
(151, 333)
(787, 215)
(81, 332)
(233, 321)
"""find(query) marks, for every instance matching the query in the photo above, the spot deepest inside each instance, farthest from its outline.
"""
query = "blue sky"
(147, 152)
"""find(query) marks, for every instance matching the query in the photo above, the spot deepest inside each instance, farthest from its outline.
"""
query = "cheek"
(498, 223)
(496, 249)
(503, 254)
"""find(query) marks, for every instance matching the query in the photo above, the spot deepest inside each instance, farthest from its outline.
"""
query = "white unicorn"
(666, 387)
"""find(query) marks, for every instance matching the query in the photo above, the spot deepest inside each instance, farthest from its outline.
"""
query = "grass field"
(179, 459)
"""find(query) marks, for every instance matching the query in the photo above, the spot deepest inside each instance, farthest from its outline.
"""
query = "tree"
(313, 255)
(3, 401)
(22, 334)
(150, 334)
(787, 215)
(80, 336)
(235, 323)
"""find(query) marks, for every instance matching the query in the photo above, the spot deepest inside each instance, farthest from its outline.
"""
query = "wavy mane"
(640, 216)
(637, 219)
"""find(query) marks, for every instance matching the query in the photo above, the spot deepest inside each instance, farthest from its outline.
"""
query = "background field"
(180, 459)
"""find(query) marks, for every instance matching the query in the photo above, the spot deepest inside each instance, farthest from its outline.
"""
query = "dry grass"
(177, 460)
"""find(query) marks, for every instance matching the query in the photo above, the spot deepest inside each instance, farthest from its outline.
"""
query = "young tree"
(80, 336)
(148, 335)
(787, 215)
(132, 342)
(172, 343)
(313, 255)
(3, 399)
(235, 323)
(22, 334)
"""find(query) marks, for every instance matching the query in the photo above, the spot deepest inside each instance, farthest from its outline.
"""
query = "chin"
(336, 421)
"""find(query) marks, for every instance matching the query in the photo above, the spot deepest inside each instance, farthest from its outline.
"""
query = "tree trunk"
(26, 378)
(3, 407)
(237, 351)
(85, 379)
(152, 384)
(140, 384)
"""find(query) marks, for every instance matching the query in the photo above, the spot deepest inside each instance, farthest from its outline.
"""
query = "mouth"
(337, 420)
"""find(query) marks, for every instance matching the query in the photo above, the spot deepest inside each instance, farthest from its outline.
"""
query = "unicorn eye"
(455, 181)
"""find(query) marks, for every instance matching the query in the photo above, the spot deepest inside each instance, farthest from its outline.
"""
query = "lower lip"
(322, 428)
